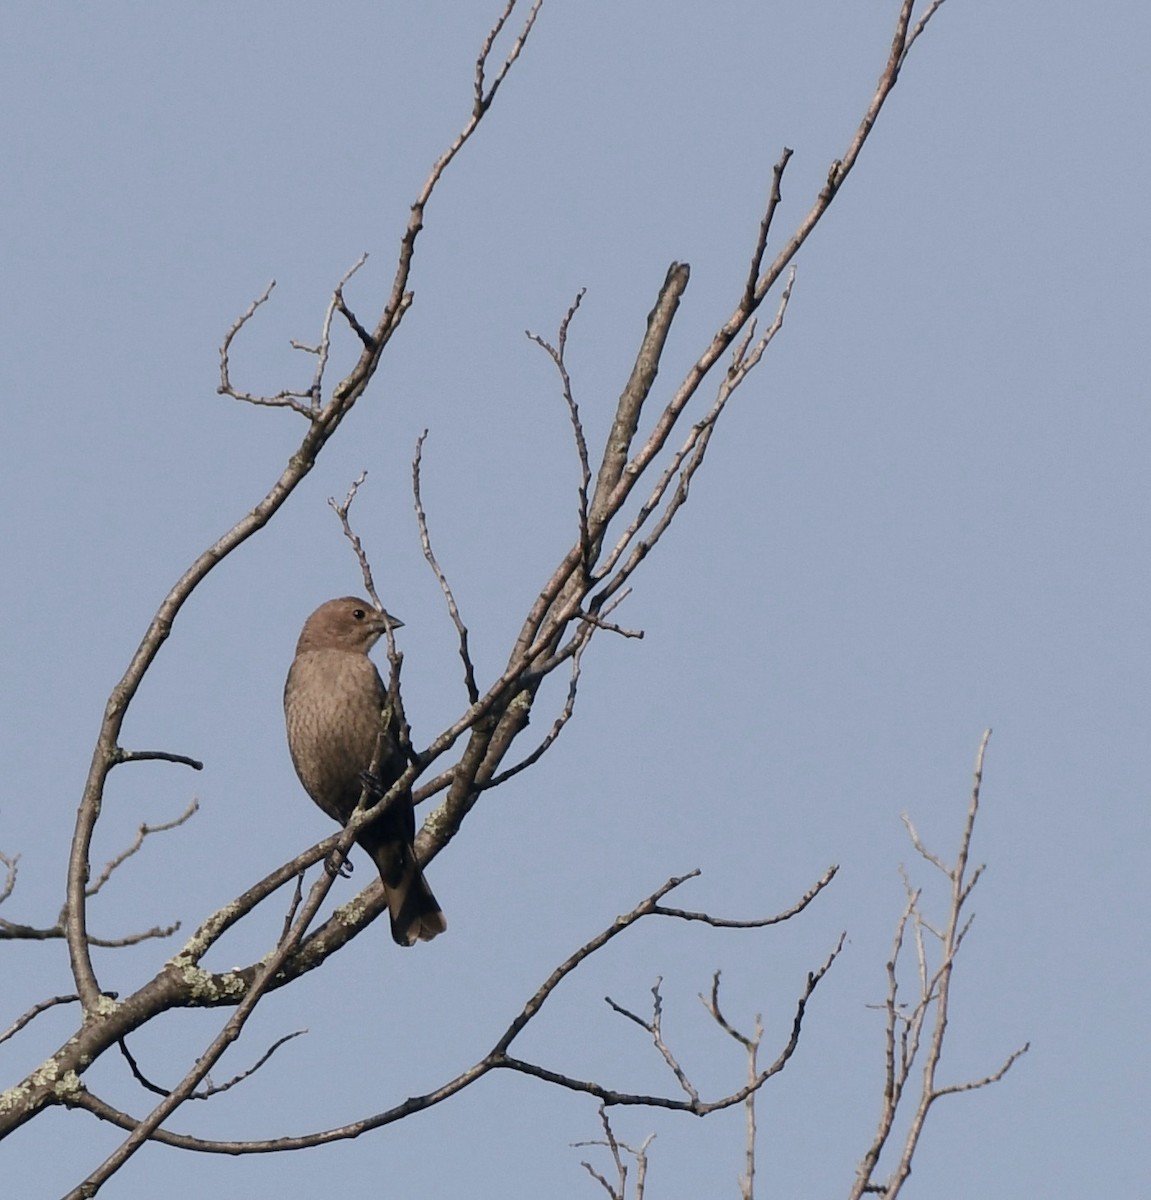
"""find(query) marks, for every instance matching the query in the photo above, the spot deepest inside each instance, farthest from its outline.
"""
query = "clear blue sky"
(926, 514)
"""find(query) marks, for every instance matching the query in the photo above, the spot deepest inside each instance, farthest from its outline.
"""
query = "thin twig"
(654, 1027)
(127, 756)
(556, 354)
(145, 830)
(557, 728)
(751, 1044)
(297, 401)
(932, 9)
(10, 863)
(497, 1058)
(757, 922)
(484, 97)
(342, 511)
(323, 350)
(212, 1089)
(34, 1012)
(293, 907)
(920, 1026)
(614, 1146)
(470, 686)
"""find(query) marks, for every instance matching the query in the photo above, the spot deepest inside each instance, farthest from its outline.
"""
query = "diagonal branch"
(324, 420)
(497, 1058)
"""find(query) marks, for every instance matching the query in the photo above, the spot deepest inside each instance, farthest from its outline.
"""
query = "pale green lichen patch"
(194, 949)
(68, 1085)
(437, 821)
(48, 1076)
(205, 986)
(14, 1098)
(232, 984)
(351, 913)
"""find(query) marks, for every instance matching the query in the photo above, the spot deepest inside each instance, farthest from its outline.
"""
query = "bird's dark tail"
(415, 913)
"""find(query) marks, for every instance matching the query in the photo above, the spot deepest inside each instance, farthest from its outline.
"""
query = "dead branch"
(473, 691)
(137, 843)
(300, 402)
(211, 1089)
(759, 922)
(34, 1012)
(654, 1028)
(13, 931)
(751, 1044)
(639, 1153)
(307, 403)
(555, 631)
(9, 862)
(126, 756)
(342, 511)
(497, 1058)
(556, 354)
(917, 1028)
(324, 418)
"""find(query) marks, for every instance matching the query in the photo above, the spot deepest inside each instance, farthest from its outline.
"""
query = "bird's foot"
(339, 866)
(373, 785)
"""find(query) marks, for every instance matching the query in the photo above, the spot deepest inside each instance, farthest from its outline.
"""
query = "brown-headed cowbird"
(333, 701)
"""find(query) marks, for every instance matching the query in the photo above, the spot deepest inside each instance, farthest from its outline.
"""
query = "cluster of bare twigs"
(617, 528)
(13, 930)
(914, 1033)
(500, 1058)
(914, 1030)
(618, 1190)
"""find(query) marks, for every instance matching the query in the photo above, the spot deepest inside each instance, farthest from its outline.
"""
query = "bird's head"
(348, 623)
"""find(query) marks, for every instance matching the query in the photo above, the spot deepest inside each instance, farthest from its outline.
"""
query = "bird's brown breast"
(332, 703)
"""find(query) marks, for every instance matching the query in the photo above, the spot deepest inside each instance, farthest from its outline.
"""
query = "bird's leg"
(373, 786)
(339, 866)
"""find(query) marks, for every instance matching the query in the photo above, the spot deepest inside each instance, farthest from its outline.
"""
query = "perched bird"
(333, 701)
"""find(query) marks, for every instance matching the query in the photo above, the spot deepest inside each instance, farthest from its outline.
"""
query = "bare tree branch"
(342, 511)
(557, 725)
(143, 832)
(470, 686)
(654, 1027)
(13, 931)
(759, 922)
(126, 756)
(639, 1153)
(497, 1058)
(34, 1012)
(301, 402)
(324, 419)
(751, 1044)
(556, 631)
(206, 1093)
(556, 354)
(265, 974)
(921, 1024)
(10, 862)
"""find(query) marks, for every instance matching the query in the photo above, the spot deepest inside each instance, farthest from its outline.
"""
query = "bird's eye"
(359, 614)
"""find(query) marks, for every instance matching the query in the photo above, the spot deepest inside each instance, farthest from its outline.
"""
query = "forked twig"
(470, 686)
(917, 1028)
(145, 830)
(499, 1058)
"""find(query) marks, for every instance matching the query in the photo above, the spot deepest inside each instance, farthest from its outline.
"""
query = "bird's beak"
(390, 622)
